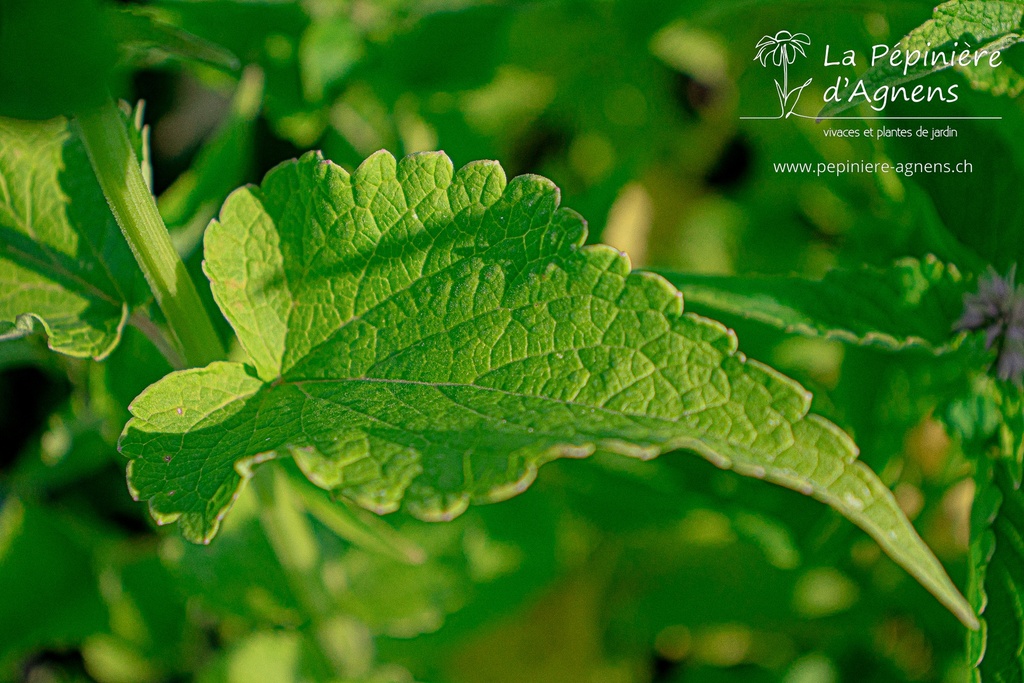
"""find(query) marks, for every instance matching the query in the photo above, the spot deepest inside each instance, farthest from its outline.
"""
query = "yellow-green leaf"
(429, 338)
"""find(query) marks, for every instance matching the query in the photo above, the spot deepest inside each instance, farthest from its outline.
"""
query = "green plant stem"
(291, 537)
(358, 527)
(131, 201)
(114, 161)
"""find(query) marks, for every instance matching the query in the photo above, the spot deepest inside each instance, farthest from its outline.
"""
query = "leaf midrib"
(460, 385)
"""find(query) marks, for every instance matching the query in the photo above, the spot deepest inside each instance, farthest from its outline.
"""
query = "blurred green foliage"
(607, 570)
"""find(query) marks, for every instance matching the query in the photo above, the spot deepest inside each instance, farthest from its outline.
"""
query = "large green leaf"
(912, 303)
(976, 25)
(63, 260)
(997, 575)
(431, 338)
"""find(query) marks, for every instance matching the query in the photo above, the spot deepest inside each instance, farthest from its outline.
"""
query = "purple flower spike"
(998, 308)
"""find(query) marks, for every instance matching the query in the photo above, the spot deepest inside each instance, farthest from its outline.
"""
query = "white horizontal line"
(878, 118)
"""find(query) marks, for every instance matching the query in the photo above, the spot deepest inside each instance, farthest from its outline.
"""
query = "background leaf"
(997, 577)
(143, 39)
(977, 25)
(63, 259)
(55, 63)
(911, 304)
(37, 548)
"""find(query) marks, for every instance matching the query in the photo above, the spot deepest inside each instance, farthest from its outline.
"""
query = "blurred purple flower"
(998, 308)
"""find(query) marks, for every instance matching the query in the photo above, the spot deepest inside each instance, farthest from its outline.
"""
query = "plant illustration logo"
(782, 49)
